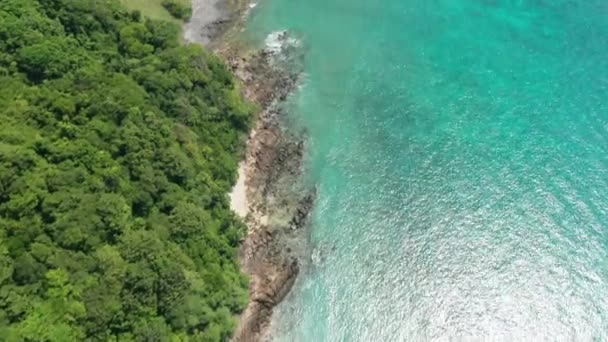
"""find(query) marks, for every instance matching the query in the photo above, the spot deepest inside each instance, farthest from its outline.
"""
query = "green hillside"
(117, 148)
(154, 9)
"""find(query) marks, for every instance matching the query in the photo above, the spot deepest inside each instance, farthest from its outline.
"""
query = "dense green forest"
(117, 148)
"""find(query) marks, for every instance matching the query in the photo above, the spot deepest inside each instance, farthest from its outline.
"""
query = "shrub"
(177, 9)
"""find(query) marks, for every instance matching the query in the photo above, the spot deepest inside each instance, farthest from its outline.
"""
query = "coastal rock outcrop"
(279, 202)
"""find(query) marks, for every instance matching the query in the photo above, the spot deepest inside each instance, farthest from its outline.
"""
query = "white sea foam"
(250, 8)
(278, 41)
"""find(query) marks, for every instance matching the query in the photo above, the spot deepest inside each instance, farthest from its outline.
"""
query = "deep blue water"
(461, 153)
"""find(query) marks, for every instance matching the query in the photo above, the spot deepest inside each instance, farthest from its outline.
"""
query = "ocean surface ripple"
(461, 152)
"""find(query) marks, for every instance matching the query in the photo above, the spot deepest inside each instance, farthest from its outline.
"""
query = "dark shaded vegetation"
(177, 9)
(117, 148)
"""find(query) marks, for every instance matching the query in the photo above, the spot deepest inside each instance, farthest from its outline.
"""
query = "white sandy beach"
(238, 195)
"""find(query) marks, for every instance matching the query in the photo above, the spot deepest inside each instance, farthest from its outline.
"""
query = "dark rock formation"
(278, 207)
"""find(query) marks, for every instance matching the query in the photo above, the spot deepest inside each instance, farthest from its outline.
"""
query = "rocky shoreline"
(277, 201)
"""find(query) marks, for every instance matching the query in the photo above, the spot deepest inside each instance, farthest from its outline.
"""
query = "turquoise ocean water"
(461, 153)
